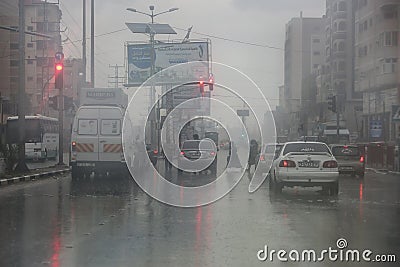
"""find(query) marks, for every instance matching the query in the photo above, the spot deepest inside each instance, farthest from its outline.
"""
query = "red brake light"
(73, 143)
(362, 159)
(212, 153)
(155, 151)
(262, 158)
(330, 164)
(287, 163)
(182, 153)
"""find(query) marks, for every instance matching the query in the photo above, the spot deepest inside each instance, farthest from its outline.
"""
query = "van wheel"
(76, 173)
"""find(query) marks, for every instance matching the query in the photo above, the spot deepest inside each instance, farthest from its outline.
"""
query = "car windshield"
(306, 148)
(198, 144)
(345, 151)
(270, 149)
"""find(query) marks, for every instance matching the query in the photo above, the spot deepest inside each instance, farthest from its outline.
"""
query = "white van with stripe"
(96, 141)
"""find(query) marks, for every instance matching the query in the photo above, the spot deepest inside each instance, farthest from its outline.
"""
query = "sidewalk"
(37, 170)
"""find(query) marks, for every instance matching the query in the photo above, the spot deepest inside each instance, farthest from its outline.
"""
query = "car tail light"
(212, 153)
(330, 164)
(182, 153)
(262, 158)
(73, 145)
(155, 151)
(362, 159)
(287, 163)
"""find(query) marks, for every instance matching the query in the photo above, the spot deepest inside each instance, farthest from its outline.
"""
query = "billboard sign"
(166, 55)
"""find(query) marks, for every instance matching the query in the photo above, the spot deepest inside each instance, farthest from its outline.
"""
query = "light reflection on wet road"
(111, 222)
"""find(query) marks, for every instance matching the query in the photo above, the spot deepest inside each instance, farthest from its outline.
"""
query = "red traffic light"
(59, 67)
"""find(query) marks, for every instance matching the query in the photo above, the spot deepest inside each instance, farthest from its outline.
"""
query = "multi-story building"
(336, 76)
(8, 57)
(44, 18)
(377, 74)
(40, 17)
(303, 56)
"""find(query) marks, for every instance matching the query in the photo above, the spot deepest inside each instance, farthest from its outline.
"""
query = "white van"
(96, 141)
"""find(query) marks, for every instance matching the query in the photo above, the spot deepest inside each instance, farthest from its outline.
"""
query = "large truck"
(96, 138)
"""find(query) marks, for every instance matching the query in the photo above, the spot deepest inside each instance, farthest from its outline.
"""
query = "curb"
(382, 171)
(30, 177)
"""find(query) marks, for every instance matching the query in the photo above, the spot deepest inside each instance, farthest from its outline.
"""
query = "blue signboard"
(375, 128)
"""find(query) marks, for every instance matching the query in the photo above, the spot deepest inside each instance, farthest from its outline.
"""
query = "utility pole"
(92, 44)
(338, 106)
(84, 40)
(21, 166)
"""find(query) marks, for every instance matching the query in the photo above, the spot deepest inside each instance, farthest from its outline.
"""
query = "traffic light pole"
(61, 127)
(59, 84)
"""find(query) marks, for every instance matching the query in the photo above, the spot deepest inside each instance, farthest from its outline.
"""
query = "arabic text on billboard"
(166, 55)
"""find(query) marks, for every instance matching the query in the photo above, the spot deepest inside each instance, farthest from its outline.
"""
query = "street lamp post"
(152, 57)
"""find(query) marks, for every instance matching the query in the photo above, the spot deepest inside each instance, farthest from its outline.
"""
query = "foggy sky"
(253, 21)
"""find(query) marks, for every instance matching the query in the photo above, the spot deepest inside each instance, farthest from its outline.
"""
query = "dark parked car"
(350, 159)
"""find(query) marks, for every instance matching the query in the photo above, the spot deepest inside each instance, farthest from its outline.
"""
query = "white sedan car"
(305, 164)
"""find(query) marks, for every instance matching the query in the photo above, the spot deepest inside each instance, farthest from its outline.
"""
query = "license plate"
(308, 164)
(346, 168)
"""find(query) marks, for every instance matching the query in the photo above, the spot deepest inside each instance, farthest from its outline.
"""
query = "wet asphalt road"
(108, 221)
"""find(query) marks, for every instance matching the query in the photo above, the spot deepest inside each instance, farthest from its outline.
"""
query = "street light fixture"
(153, 31)
(152, 15)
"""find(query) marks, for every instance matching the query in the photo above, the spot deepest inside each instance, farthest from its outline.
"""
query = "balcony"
(339, 15)
(389, 4)
(339, 54)
(338, 35)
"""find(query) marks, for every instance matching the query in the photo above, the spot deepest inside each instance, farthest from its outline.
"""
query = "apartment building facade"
(377, 72)
(304, 41)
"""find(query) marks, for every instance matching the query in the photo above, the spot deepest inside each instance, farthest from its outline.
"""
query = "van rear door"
(87, 139)
(110, 139)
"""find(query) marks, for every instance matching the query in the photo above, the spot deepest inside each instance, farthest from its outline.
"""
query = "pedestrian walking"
(252, 154)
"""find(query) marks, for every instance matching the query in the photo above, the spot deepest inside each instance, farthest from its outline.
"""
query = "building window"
(341, 46)
(14, 63)
(362, 51)
(30, 28)
(365, 25)
(391, 38)
(389, 65)
(30, 78)
(14, 46)
(316, 53)
(30, 45)
(29, 61)
(341, 66)
(342, 26)
(390, 14)
(335, 7)
(316, 41)
(342, 6)
(315, 66)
